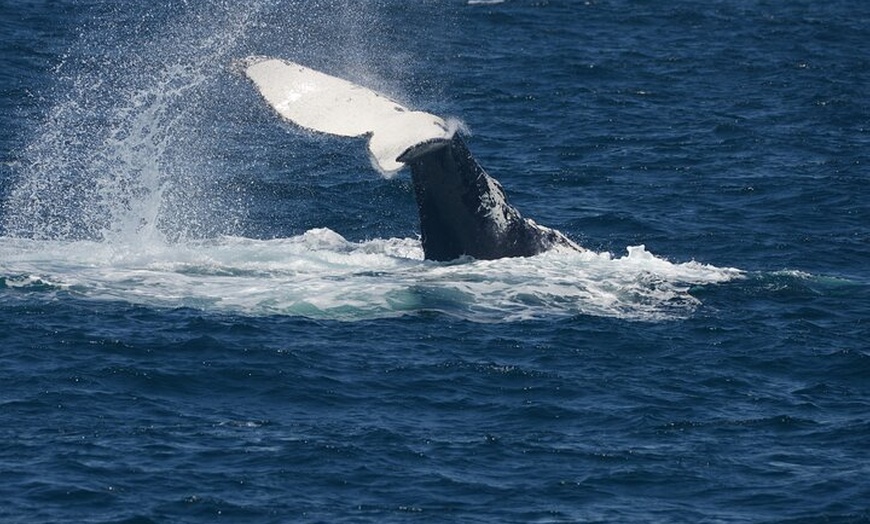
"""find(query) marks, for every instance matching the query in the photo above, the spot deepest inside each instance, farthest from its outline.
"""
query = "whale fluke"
(324, 103)
(463, 210)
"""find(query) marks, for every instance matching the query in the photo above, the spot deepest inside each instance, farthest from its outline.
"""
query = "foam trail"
(321, 275)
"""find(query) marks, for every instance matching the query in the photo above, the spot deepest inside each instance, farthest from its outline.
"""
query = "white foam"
(322, 275)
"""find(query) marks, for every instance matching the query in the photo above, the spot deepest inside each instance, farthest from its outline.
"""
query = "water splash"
(130, 149)
(122, 153)
(121, 194)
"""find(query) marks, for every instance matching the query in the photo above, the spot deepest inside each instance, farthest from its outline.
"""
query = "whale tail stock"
(463, 211)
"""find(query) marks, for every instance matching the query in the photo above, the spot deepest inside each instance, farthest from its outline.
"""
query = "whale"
(464, 212)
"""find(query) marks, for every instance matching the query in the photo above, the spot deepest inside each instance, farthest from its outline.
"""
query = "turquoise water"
(209, 313)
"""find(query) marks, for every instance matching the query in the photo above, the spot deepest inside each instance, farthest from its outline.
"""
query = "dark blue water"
(208, 314)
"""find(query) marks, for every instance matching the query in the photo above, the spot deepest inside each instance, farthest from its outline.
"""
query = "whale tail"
(463, 210)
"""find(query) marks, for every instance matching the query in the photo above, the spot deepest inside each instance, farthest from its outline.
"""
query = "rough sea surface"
(208, 314)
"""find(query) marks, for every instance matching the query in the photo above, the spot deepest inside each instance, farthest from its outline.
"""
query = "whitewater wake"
(322, 275)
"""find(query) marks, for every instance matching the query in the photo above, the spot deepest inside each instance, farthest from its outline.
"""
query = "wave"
(320, 274)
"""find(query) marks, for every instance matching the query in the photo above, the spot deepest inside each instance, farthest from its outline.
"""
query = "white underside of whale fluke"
(327, 104)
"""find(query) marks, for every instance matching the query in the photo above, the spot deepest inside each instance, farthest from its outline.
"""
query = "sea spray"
(123, 152)
(132, 145)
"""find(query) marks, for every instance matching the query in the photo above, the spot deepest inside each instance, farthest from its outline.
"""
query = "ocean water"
(207, 314)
